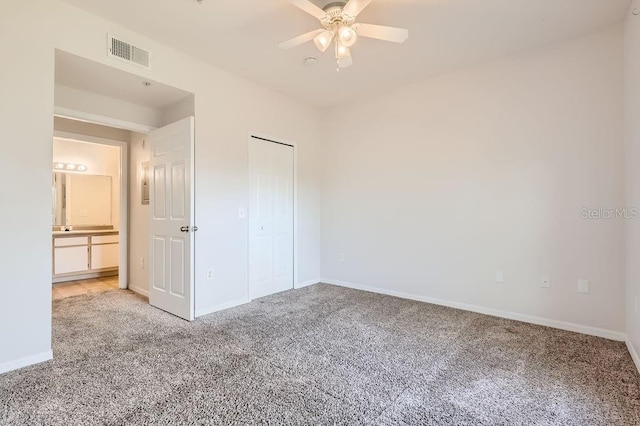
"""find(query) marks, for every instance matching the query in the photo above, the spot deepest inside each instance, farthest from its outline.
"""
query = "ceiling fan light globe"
(347, 35)
(323, 40)
(342, 51)
(345, 62)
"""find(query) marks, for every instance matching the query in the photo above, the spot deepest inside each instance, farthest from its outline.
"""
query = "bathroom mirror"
(81, 200)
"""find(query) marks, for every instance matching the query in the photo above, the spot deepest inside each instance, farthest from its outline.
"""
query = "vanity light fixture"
(69, 167)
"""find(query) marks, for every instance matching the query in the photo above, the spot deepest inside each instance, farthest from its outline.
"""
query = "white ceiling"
(83, 74)
(241, 36)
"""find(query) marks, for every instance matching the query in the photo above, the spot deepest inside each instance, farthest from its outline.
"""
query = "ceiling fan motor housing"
(334, 5)
(335, 15)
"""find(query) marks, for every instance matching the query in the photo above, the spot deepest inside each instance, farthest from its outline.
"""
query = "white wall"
(433, 188)
(177, 111)
(138, 217)
(79, 100)
(227, 108)
(25, 173)
(90, 129)
(102, 160)
(632, 157)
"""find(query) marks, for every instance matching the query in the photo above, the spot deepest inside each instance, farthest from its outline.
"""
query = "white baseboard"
(221, 307)
(5, 367)
(76, 277)
(562, 325)
(141, 291)
(307, 283)
(634, 354)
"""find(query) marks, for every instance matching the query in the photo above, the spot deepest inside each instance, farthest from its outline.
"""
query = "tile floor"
(77, 288)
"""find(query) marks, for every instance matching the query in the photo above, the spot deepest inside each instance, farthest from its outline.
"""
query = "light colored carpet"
(320, 355)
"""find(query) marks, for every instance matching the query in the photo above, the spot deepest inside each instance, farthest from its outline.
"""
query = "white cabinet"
(73, 241)
(104, 239)
(84, 256)
(104, 256)
(70, 259)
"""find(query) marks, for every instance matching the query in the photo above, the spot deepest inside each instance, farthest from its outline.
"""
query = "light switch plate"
(583, 286)
(499, 277)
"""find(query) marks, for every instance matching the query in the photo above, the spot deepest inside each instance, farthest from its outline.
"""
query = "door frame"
(123, 231)
(103, 120)
(271, 139)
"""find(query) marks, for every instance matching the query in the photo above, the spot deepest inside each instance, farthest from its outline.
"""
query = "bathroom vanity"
(85, 242)
(82, 254)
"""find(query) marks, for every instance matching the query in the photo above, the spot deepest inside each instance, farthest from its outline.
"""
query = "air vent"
(127, 52)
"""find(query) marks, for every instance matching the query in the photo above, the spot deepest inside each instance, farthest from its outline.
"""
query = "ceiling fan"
(339, 24)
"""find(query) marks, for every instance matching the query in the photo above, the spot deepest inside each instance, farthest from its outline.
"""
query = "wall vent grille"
(127, 52)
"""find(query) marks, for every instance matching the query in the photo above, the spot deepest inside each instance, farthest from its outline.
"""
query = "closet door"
(270, 217)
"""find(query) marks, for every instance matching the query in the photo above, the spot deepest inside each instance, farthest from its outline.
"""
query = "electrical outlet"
(210, 274)
(545, 282)
(583, 286)
(499, 277)
(142, 263)
(341, 257)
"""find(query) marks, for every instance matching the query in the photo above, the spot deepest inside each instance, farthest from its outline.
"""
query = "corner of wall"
(17, 364)
(634, 353)
(632, 176)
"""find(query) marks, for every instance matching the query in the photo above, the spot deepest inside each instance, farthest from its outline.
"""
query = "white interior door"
(270, 217)
(172, 218)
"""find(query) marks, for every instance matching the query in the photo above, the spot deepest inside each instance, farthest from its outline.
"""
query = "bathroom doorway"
(89, 208)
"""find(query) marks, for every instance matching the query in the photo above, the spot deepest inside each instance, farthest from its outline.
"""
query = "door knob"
(184, 229)
(262, 228)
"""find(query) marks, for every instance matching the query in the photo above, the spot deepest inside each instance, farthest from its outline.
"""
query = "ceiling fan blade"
(310, 8)
(345, 62)
(299, 40)
(354, 7)
(381, 32)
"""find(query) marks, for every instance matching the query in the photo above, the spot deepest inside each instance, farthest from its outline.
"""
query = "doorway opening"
(100, 106)
(89, 209)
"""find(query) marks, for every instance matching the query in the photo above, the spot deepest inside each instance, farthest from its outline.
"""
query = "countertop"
(84, 232)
